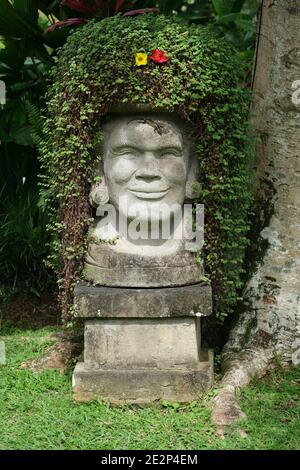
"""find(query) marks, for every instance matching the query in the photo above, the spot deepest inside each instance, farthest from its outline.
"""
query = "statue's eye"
(170, 152)
(128, 152)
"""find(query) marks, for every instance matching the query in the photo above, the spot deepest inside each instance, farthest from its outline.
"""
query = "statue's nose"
(149, 170)
(148, 176)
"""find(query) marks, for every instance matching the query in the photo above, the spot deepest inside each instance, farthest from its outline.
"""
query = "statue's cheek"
(121, 170)
(175, 171)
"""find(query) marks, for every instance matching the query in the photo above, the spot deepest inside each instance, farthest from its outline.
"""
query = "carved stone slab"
(114, 302)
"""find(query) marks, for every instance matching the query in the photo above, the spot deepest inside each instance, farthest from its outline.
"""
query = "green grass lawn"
(37, 412)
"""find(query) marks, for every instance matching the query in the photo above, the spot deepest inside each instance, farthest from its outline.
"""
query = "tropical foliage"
(31, 32)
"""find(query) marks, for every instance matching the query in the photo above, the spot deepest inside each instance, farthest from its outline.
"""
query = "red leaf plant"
(92, 7)
(68, 22)
(83, 6)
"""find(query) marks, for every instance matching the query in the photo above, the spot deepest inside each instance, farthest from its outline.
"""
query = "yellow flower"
(141, 59)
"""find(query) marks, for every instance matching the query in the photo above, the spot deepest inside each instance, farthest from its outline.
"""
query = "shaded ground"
(37, 411)
(29, 311)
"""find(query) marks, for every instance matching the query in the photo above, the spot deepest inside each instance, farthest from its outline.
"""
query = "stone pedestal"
(114, 266)
(142, 345)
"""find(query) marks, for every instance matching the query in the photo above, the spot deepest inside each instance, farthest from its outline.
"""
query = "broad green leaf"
(231, 17)
(20, 135)
(13, 54)
(220, 6)
(14, 23)
(29, 8)
(237, 6)
(51, 7)
(8, 20)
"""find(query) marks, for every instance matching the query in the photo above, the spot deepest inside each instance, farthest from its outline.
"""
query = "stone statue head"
(147, 159)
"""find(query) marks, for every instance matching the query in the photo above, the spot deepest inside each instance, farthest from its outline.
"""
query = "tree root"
(58, 356)
(239, 369)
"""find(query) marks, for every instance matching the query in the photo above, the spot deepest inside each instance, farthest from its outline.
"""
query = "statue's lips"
(149, 194)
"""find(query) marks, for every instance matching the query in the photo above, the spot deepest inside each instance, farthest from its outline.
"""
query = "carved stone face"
(146, 161)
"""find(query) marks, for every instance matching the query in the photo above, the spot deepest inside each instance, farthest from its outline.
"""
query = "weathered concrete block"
(143, 385)
(141, 343)
(114, 302)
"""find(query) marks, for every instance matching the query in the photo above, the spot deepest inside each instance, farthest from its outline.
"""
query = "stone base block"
(115, 302)
(144, 385)
(159, 343)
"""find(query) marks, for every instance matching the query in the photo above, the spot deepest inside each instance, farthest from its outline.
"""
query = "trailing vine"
(200, 82)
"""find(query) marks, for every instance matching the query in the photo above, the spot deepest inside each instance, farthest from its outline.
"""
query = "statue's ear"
(193, 188)
(99, 194)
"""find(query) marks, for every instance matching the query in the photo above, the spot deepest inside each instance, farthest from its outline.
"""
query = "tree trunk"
(270, 323)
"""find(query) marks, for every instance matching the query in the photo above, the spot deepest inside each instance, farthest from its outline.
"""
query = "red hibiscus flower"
(159, 57)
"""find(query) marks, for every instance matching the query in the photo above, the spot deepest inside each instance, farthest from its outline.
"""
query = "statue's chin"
(156, 218)
(151, 212)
